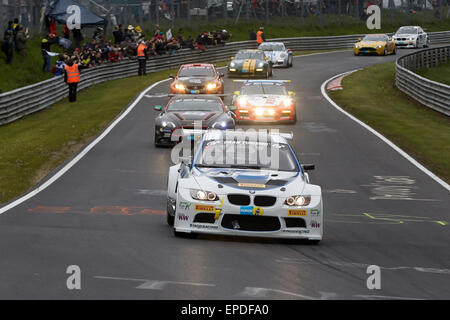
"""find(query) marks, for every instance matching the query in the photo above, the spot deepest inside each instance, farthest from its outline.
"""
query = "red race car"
(197, 78)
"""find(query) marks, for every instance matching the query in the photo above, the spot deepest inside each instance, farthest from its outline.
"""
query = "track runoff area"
(101, 216)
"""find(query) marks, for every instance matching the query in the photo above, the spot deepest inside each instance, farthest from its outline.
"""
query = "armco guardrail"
(23, 101)
(430, 93)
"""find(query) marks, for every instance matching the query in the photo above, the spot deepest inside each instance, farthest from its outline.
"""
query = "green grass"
(421, 132)
(22, 73)
(34, 145)
(441, 73)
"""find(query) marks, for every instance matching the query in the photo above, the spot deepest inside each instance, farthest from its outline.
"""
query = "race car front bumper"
(283, 63)
(278, 114)
(368, 51)
(223, 217)
(406, 44)
(236, 72)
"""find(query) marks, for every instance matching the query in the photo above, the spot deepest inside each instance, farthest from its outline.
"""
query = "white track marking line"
(156, 284)
(255, 292)
(79, 156)
(379, 135)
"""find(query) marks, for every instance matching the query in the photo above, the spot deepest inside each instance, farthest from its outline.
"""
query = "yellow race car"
(379, 44)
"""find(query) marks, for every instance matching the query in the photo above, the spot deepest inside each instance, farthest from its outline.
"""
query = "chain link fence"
(30, 13)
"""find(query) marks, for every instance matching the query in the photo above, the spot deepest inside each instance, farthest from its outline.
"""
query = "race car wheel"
(170, 219)
(385, 51)
(290, 62)
(395, 51)
(267, 73)
(313, 242)
(427, 43)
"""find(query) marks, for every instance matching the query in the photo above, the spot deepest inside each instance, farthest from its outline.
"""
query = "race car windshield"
(195, 105)
(263, 89)
(245, 154)
(249, 55)
(272, 47)
(407, 30)
(196, 72)
(375, 37)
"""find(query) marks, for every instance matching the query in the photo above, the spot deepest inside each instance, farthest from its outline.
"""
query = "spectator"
(21, 41)
(66, 32)
(77, 37)
(156, 31)
(252, 35)
(118, 34)
(7, 45)
(59, 67)
(129, 33)
(45, 48)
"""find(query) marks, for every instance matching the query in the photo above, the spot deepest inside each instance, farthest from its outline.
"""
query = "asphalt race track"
(106, 215)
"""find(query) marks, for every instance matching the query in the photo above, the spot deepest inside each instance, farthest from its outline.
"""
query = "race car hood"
(200, 81)
(248, 179)
(187, 118)
(268, 100)
(406, 35)
(248, 64)
(274, 56)
(371, 44)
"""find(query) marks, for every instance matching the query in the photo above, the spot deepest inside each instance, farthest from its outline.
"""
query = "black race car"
(189, 112)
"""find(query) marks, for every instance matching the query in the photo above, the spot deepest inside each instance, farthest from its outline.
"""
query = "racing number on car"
(257, 211)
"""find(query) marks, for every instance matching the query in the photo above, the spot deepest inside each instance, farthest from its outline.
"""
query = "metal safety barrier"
(430, 93)
(18, 103)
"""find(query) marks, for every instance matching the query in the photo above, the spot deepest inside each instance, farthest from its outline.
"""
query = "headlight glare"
(211, 85)
(298, 201)
(204, 195)
(179, 86)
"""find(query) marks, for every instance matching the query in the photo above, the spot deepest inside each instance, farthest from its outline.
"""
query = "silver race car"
(245, 184)
(277, 54)
(411, 37)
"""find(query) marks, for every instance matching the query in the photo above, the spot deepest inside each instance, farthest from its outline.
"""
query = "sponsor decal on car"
(251, 210)
(205, 208)
(296, 231)
(314, 224)
(185, 205)
(251, 185)
(203, 226)
(297, 212)
(183, 217)
(315, 212)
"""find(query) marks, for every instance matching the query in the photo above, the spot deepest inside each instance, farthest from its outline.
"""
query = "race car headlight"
(211, 86)
(298, 200)
(219, 125)
(168, 124)
(204, 195)
(232, 64)
(378, 47)
(179, 86)
(242, 102)
(259, 111)
(260, 65)
(283, 55)
(357, 46)
(287, 102)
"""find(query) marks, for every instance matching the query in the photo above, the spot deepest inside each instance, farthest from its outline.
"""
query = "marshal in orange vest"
(73, 74)
(259, 37)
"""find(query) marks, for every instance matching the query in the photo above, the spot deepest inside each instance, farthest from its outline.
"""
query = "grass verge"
(441, 73)
(420, 131)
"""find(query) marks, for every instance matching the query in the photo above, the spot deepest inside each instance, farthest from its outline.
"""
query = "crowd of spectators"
(124, 45)
(15, 39)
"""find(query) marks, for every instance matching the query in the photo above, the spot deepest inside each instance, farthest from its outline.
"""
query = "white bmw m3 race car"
(277, 54)
(244, 185)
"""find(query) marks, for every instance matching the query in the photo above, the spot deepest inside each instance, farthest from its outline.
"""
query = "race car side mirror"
(236, 93)
(291, 93)
(308, 167)
(172, 76)
(157, 108)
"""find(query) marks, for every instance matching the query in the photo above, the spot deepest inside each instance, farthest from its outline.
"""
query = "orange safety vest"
(140, 50)
(73, 75)
(259, 38)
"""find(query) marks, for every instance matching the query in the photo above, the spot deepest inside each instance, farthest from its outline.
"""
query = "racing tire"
(313, 242)
(170, 219)
(184, 234)
(427, 44)
(395, 51)
(385, 51)
(271, 71)
(267, 74)
(291, 62)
